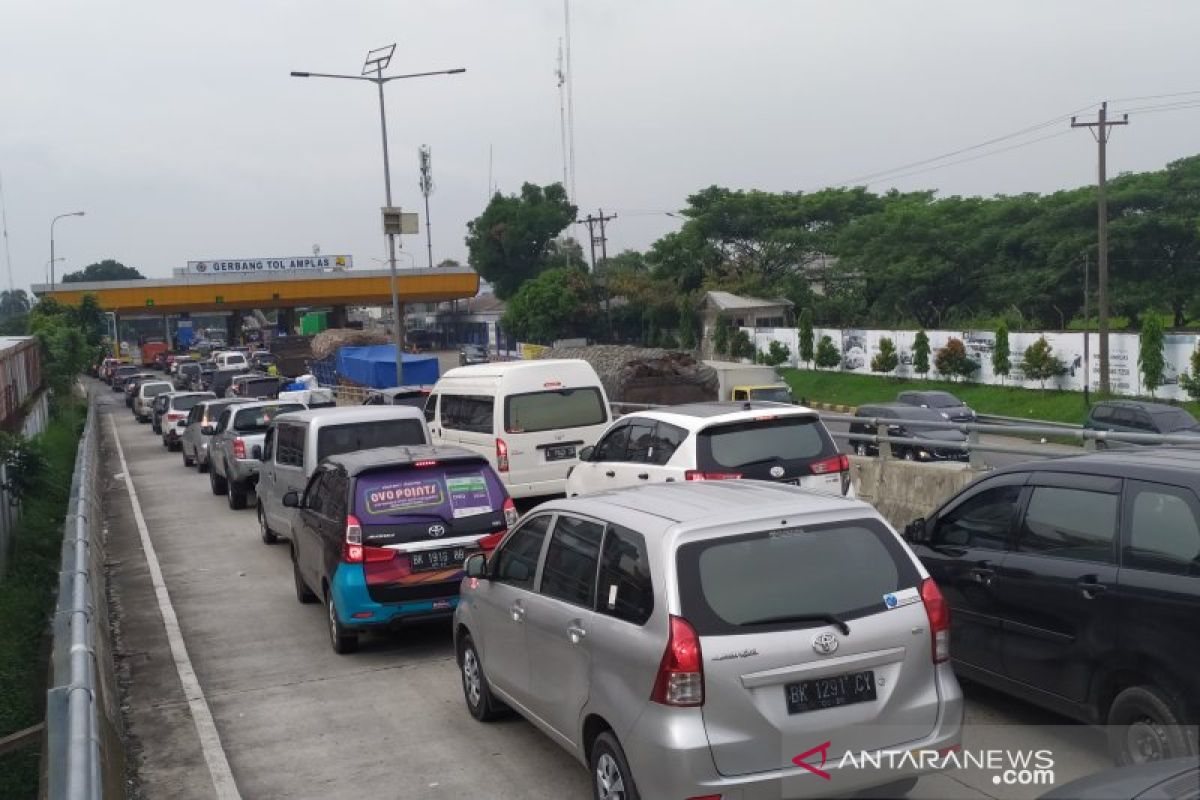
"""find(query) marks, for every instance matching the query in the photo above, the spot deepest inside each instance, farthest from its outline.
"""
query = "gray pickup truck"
(233, 466)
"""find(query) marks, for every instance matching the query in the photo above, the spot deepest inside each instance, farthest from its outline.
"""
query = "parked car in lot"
(1074, 583)
(296, 443)
(909, 422)
(184, 375)
(381, 535)
(415, 396)
(690, 639)
(175, 416)
(198, 431)
(945, 404)
(1136, 416)
(143, 398)
(714, 441)
(254, 385)
(233, 468)
(528, 418)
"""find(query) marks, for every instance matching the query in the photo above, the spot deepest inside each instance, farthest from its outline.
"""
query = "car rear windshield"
(260, 386)
(767, 580)
(773, 394)
(451, 491)
(354, 436)
(554, 410)
(154, 389)
(252, 420)
(186, 402)
(791, 438)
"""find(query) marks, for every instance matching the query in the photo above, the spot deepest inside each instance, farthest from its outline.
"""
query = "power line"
(988, 154)
(1177, 106)
(1155, 96)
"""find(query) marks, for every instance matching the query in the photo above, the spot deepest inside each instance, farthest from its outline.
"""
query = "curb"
(834, 407)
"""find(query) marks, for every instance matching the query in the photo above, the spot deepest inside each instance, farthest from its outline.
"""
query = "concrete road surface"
(289, 718)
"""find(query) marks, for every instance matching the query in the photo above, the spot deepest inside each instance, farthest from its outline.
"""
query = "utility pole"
(425, 157)
(1100, 131)
(590, 221)
(1087, 332)
(602, 240)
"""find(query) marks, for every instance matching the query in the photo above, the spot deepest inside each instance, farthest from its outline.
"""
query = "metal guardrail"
(73, 706)
(996, 419)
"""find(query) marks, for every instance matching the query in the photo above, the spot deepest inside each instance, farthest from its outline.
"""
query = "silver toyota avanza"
(732, 639)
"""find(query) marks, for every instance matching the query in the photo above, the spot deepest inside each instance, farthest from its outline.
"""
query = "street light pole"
(52, 258)
(376, 62)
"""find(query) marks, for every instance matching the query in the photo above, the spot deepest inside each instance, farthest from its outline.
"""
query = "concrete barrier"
(905, 490)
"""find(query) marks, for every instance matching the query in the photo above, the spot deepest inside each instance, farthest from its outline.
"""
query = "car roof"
(392, 391)
(711, 503)
(1152, 408)
(696, 415)
(899, 408)
(495, 369)
(264, 403)
(379, 459)
(1168, 464)
(343, 414)
(224, 401)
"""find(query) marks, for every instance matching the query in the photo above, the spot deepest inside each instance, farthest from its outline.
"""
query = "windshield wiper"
(832, 619)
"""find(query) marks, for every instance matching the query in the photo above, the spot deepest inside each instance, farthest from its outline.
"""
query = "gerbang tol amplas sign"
(256, 266)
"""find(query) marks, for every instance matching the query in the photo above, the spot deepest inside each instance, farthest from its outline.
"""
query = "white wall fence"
(858, 346)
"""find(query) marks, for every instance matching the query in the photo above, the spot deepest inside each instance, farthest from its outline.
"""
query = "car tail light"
(510, 513)
(239, 448)
(173, 417)
(501, 456)
(839, 463)
(352, 546)
(699, 475)
(429, 462)
(680, 680)
(938, 611)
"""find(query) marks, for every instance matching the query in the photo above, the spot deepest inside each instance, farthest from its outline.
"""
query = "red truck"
(152, 349)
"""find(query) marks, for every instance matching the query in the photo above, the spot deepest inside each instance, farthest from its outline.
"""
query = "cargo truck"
(749, 382)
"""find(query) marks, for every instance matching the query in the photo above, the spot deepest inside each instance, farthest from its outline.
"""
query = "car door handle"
(1091, 590)
(610, 474)
(643, 476)
(982, 575)
(518, 611)
(576, 632)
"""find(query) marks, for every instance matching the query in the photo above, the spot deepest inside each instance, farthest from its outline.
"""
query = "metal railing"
(73, 705)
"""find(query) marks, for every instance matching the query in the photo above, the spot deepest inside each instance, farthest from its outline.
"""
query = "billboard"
(226, 268)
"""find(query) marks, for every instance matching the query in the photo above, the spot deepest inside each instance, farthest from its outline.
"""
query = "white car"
(714, 441)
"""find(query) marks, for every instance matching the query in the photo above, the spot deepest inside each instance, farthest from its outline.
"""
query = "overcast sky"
(178, 130)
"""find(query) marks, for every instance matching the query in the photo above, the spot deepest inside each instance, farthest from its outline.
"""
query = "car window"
(268, 444)
(314, 496)
(1070, 523)
(472, 413)
(290, 449)
(626, 591)
(641, 442)
(223, 421)
(554, 410)
(983, 521)
(352, 437)
(762, 581)
(430, 408)
(195, 414)
(516, 561)
(186, 402)
(571, 559)
(334, 490)
(1164, 535)
(667, 439)
(1123, 416)
(257, 418)
(612, 446)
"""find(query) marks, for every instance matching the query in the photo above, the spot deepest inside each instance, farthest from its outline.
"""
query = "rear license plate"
(434, 560)
(560, 453)
(791, 481)
(839, 690)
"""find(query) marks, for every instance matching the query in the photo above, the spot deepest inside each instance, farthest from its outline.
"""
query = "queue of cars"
(709, 587)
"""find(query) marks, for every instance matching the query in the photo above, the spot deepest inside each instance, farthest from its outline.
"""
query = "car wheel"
(611, 778)
(187, 460)
(1143, 727)
(476, 690)
(303, 593)
(268, 535)
(218, 484)
(236, 495)
(343, 640)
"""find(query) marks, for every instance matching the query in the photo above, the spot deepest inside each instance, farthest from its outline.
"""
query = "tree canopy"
(511, 241)
(106, 270)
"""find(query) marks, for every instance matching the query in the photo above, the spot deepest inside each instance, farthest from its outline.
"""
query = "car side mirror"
(475, 566)
(256, 452)
(586, 453)
(291, 500)
(208, 430)
(917, 531)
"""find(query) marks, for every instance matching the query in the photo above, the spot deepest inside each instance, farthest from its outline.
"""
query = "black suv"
(905, 421)
(1075, 584)
(1134, 416)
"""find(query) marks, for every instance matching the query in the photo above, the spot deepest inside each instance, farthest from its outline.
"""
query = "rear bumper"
(243, 470)
(669, 755)
(350, 593)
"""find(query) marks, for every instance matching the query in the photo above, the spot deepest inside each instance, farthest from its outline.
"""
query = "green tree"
(740, 345)
(557, 304)
(886, 360)
(920, 353)
(952, 360)
(65, 348)
(1190, 381)
(806, 336)
(448, 263)
(1151, 361)
(1001, 354)
(777, 353)
(510, 242)
(106, 270)
(721, 335)
(14, 301)
(687, 325)
(1040, 363)
(827, 355)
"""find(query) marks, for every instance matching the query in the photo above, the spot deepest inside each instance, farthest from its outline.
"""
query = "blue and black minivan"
(381, 534)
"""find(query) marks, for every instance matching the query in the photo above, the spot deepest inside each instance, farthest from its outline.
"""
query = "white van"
(529, 418)
(296, 443)
(231, 359)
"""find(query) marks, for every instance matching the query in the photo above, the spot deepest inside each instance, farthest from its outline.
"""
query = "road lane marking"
(206, 728)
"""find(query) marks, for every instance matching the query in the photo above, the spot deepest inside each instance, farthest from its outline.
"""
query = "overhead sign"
(256, 266)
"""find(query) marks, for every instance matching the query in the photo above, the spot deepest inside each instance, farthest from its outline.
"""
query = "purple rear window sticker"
(449, 494)
(469, 495)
